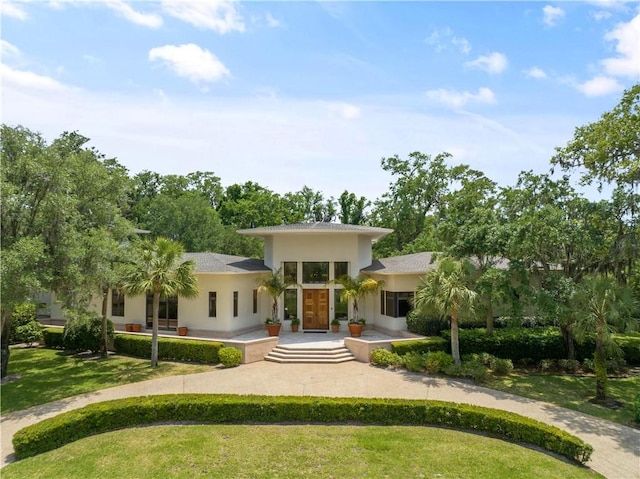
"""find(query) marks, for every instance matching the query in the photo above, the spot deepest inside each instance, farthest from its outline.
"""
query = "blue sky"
(316, 93)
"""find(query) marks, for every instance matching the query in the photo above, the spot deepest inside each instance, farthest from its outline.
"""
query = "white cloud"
(551, 15)
(600, 15)
(493, 63)
(535, 72)
(347, 111)
(146, 19)
(462, 43)
(190, 61)
(28, 80)
(458, 99)
(627, 63)
(8, 49)
(12, 9)
(438, 37)
(272, 21)
(599, 86)
(221, 16)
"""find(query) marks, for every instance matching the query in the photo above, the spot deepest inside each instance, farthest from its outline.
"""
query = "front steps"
(284, 353)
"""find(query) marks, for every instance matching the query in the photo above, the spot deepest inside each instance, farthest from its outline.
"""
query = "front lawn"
(292, 451)
(573, 392)
(47, 375)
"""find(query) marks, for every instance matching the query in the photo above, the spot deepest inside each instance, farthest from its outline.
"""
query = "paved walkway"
(617, 448)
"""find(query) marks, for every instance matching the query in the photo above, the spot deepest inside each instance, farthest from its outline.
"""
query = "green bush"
(419, 346)
(25, 327)
(210, 408)
(29, 333)
(437, 361)
(230, 357)
(424, 325)
(630, 345)
(471, 369)
(570, 366)
(53, 338)
(384, 357)
(547, 365)
(414, 361)
(83, 331)
(191, 350)
(501, 366)
(636, 407)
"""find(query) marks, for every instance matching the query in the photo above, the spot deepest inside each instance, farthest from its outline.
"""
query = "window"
(290, 272)
(117, 303)
(340, 268)
(290, 303)
(213, 304)
(235, 304)
(255, 301)
(395, 304)
(315, 273)
(340, 308)
(167, 313)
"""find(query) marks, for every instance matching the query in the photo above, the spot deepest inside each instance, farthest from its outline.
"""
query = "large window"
(290, 271)
(167, 314)
(235, 304)
(117, 303)
(213, 304)
(340, 268)
(290, 303)
(395, 304)
(315, 272)
(340, 308)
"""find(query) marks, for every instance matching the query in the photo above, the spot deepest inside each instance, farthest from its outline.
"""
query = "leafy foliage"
(192, 350)
(230, 357)
(83, 331)
(385, 358)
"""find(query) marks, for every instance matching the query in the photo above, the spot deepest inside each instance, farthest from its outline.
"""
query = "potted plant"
(182, 330)
(275, 284)
(356, 326)
(335, 325)
(355, 289)
(273, 326)
(136, 327)
(295, 324)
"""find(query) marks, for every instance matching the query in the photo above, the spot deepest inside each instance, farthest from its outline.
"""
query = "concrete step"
(289, 354)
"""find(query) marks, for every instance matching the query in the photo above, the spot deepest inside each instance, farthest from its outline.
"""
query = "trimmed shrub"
(83, 331)
(547, 365)
(636, 407)
(29, 333)
(501, 366)
(191, 350)
(25, 327)
(230, 409)
(630, 345)
(385, 358)
(437, 361)
(414, 361)
(425, 326)
(570, 366)
(472, 369)
(53, 338)
(419, 346)
(230, 357)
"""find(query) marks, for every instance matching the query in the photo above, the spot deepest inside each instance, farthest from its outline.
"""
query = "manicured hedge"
(191, 350)
(630, 345)
(53, 338)
(208, 408)
(420, 346)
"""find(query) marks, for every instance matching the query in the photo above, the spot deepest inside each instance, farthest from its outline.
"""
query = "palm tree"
(445, 292)
(601, 306)
(355, 289)
(158, 269)
(275, 284)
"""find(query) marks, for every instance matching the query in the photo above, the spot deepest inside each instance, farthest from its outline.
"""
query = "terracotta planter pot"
(128, 327)
(136, 328)
(294, 328)
(274, 329)
(335, 329)
(182, 331)
(356, 330)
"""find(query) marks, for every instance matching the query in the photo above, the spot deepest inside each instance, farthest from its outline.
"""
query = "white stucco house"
(312, 254)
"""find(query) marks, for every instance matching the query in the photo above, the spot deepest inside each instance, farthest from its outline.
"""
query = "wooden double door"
(316, 309)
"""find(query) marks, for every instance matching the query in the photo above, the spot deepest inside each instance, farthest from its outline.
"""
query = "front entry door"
(316, 309)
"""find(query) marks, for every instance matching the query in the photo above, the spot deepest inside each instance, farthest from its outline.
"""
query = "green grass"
(292, 452)
(573, 392)
(48, 375)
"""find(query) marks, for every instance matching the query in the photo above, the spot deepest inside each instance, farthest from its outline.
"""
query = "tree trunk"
(455, 345)
(569, 343)
(4, 340)
(154, 330)
(489, 316)
(355, 311)
(600, 364)
(105, 303)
